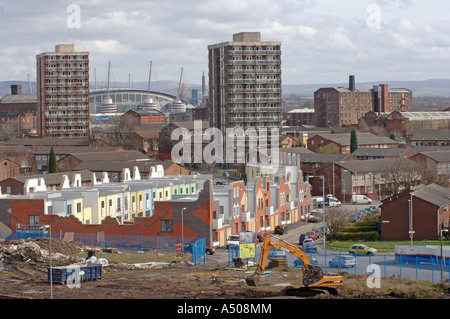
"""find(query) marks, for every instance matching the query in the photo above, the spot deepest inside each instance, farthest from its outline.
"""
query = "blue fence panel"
(199, 252)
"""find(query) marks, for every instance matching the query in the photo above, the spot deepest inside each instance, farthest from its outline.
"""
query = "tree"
(353, 141)
(52, 165)
(401, 174)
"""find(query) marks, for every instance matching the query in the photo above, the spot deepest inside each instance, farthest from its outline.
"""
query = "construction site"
(25, 264)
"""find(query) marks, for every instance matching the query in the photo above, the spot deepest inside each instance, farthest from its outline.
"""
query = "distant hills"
(434, 87)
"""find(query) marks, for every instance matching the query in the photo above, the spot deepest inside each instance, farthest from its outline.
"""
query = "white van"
(361, 199)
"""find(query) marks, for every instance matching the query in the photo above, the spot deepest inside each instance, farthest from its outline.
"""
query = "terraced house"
(161, 206)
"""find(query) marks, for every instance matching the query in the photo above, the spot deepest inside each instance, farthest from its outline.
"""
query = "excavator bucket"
(252, 280)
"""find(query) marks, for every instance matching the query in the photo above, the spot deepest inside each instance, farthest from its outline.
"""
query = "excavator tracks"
(310, 291)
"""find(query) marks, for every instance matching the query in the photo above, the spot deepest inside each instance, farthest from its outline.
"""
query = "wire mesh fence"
(195, 246)
(427, 268)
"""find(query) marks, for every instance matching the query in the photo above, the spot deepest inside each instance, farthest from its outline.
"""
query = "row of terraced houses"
(158, 205)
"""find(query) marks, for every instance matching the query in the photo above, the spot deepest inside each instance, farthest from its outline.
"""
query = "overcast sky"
(323, 41)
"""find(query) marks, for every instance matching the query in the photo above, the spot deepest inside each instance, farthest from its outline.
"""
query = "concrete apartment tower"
(63, 93)
(245, 82)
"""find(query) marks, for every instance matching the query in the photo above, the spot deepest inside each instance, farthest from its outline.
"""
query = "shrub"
(365, 235)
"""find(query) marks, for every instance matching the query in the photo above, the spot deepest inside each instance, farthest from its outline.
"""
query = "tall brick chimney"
(351, 83)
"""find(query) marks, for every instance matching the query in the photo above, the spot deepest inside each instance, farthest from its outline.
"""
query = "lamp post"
(182, 228)
(410, 214)
(50, 253)
(323, 203)
(442, 255)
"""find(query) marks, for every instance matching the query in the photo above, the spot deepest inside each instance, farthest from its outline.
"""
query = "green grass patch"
(381, 246)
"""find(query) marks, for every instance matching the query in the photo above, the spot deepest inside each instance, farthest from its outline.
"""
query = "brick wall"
(395, 218)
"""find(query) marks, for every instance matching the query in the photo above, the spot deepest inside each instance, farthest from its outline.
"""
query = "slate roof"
(375, 165)
(363, 138)
(383, 152)
(433, 193)
(56, 178)
(441, 156)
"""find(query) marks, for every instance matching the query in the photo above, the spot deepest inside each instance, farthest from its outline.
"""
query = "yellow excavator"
(314, 281)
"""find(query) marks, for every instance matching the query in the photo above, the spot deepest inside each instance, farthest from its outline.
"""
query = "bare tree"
(335, 218)
(402, 174)
(9, 129)
(120, 132)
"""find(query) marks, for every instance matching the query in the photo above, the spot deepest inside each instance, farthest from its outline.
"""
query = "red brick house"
(430, 213)
(339, 143)
(139, 118)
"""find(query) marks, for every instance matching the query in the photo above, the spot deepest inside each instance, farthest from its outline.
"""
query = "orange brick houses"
(165, 223)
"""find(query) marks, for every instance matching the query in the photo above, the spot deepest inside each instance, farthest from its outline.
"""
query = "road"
(387, 265)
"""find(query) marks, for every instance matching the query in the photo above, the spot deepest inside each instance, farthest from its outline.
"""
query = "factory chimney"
(351, 83)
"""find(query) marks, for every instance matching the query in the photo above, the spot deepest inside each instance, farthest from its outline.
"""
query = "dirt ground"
(24, 263)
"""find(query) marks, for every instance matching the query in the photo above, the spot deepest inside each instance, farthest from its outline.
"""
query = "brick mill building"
(339, 107)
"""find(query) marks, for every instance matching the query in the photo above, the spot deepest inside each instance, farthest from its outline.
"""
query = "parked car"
(343, 261)
(280, 230)
(312, 234)
(316, 215)
(362, 249)
(361, 199)
(324, 229)
(302, 238)
(374, 208)
(354, 217)
(299, 264)
(329, 202)
(233, 240)
(330, 196)
(309, 245)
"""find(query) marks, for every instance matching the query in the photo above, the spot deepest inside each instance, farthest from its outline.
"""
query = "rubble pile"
(37, 250)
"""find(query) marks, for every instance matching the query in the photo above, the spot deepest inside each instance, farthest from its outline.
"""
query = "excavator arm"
(312, 275)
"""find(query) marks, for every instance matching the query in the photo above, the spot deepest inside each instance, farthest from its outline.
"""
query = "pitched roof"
(44, 149)
(433, 193)
(110, 156)
(296, 150)
(433, 148)
(322, 158)
(118, 166)
(430, 135)
(55, 178)
(383, 152)
(441, 156)
(364, 138)
(375, 165)
(55, 141)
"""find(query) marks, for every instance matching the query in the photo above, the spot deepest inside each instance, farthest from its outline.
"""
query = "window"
(166, 226)
(33, 220)
(69, 209)
(78, 207)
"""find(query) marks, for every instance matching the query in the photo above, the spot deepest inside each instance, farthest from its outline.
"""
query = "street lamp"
(442, 255)
(182, 228)
(50, 253)
(323, 203)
